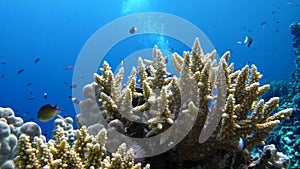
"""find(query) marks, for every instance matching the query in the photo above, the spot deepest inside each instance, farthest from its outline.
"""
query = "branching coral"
(87, 152)
(224, 102)
(11, 127)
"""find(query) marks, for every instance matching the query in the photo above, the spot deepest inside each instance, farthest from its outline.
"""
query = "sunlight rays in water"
(134, 6)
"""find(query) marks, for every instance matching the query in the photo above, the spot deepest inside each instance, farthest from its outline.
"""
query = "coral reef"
(295, 87)
(214, 112)
(67, 125)
(287, 140)
(205, 93)
(286, 136)
(87, 152)
(11, 128)
(293, 125)
(23, 146)
(277, 89)
(90, 113)
(270, 158)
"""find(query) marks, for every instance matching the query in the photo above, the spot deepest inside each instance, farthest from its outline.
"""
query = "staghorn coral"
(88, 152)
(223, 103)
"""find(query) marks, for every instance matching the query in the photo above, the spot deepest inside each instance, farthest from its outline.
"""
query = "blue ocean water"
(55, 32)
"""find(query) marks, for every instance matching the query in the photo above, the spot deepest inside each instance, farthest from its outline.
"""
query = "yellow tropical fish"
(48, 112)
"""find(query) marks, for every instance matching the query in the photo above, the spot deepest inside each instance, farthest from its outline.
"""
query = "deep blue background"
(56, 30)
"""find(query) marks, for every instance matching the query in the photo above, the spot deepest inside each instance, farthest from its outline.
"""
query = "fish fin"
(246, 39)
(56, 107)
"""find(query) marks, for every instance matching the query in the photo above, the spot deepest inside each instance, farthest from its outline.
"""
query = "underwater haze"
(40, 42)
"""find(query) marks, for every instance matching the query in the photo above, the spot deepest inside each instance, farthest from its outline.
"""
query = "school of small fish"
(47, 111)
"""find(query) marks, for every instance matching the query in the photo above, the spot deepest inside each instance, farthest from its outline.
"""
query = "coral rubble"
(210, 94)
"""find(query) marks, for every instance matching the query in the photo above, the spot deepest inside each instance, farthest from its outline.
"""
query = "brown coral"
(219, 97)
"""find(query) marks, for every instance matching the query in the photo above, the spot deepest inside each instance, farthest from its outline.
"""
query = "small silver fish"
(242, 144)
(248, 41)
(45, 96)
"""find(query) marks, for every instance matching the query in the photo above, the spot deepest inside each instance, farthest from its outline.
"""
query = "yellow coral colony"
(243, 115)
(87, 152)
